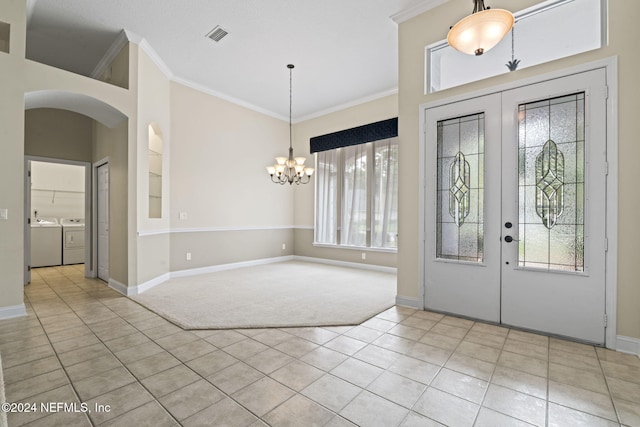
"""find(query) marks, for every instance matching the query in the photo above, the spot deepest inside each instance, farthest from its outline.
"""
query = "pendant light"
(480, 31)
(290, 169)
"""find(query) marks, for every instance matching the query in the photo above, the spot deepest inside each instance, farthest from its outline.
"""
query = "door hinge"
(606, 168)
(29, 174)
(28, 268)
(605, 320)
(606, 244)
(28, 221)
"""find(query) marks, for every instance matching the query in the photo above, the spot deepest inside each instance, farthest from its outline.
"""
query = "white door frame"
(88, 272)
(611, 68)
(94, 210)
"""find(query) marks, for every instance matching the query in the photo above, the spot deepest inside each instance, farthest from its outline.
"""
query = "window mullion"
(339, 202)
(370, 177)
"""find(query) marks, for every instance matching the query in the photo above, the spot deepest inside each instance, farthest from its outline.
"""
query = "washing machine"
(46, 238)
(72, 240)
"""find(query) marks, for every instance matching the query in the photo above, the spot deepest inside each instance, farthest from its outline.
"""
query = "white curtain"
(326, 196)
(354, 196)
(384, 232)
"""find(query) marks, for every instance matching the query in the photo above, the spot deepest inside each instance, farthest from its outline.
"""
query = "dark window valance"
(359, 135)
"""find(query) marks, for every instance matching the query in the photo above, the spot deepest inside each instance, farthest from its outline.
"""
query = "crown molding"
(110, 55)
(346, 105)
(148, 49)
(416, 10)
(228, 98)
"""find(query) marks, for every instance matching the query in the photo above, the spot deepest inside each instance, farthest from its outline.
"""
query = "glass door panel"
(553, 259)
(551, 183)
(462, 146)
(515, 196)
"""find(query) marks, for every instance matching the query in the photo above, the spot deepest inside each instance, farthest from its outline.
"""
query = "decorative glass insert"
(459, 199)
(551, 183)
(460, 189)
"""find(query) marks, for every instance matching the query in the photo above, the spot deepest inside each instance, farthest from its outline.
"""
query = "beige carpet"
(284, 294)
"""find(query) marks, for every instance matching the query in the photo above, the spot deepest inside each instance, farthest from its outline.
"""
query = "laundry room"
(57, 214)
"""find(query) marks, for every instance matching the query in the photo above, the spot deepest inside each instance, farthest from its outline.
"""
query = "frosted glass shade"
(480, 31)
(271, 170)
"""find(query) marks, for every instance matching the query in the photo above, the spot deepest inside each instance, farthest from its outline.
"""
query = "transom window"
(551, 30)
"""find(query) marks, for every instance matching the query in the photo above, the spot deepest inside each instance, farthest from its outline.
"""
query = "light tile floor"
(83, 342)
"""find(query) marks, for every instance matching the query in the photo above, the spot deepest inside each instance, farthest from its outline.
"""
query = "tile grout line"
(111, 352)
(606, 380)
(75, 392)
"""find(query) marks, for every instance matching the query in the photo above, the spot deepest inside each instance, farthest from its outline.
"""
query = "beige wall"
(17, 78)
(12, 80)
(304, 208)
(219, 151)
(58, 134)
(211, 248)
(117, 73)
(428, 28)
(154, 106)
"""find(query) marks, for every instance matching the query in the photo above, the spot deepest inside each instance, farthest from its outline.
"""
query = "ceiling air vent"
(217, 34)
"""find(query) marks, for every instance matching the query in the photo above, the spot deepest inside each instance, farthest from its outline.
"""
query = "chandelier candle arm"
(482, 30)
(290, 169)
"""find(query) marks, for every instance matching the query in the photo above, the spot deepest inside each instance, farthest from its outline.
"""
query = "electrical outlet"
(364, 255)
(183, 215)
(284, 246)
(4, 214)
(188, 256)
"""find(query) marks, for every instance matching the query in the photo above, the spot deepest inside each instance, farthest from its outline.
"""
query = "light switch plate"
(4, 214)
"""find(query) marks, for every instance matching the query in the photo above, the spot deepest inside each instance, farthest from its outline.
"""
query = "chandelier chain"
(290, 169)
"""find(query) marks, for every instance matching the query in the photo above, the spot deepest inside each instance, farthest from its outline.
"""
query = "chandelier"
(290, 169)
(480, 31)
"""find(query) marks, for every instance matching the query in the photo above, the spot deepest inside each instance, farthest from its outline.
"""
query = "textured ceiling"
(344, 50)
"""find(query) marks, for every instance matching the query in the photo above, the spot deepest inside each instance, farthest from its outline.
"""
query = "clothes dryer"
(72, 240)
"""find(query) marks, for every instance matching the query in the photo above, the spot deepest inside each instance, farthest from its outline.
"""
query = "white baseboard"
(408, 302)
(13, 311)
(362, 266)
(224, 267)
(628, 345)
(119, 287)
(135, 290)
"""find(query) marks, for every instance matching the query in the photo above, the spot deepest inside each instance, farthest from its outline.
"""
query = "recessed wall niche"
(5, 32)
(155, 171)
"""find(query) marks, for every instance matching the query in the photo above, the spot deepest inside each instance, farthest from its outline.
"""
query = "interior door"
(103, 222)
(554, 197)
(27, 223)
(515, 196)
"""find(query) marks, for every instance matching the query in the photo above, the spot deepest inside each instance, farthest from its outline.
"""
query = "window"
(551, 30)
(357, 195)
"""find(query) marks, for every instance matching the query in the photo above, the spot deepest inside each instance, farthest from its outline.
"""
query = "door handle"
(510, 239)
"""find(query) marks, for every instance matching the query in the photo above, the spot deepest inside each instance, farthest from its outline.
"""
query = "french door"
(515, 204)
